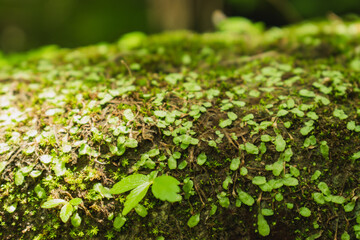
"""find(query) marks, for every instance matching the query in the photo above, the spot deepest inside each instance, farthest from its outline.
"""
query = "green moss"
(283, 102)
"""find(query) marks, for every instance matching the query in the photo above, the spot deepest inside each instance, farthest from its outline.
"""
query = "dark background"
(27, 24)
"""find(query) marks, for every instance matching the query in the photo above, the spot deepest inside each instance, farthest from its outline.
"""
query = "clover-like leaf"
(258, 180)
(135, 196)
(40, 192)
(166, 188)
(104, 191)
(282, 113)
(65, 212)
(246, 198)
(194, 220)
(340, 114)
(225, 123)
(19, 178)
(128, 183)
(119, 222)
(267, 212)
(324, 188)
(263, 226)
(305, 212)
(306, 93)
(290, 181)
(131, 143)
(52, 203)
(345, 236)
(172, 163)
(232, 116)
(76, 220)
(251, 148)
(141, 210)
(277, 167)
(129, 115)
(337, 199)
(319, 198)
(235, 164)
(160, 114)
(280, 143)
(75, 201)
(306, 130)
(350, 206)
(201, 159)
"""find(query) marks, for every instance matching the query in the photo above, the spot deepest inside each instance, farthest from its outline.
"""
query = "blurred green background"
(27, 24)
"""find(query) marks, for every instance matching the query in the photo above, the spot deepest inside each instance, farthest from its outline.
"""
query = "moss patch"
(257, 132)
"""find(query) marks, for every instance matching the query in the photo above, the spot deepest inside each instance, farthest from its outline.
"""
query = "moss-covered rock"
(238, 134)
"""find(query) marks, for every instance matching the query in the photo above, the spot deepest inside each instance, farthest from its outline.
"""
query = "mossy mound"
(244, 134)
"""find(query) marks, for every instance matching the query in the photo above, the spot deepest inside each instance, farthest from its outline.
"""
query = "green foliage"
(272, 121)
(53, 203)
(201, 159)
(40, 192)
(119, 222)
(235, 164)
(193, 220)
(251, 148)
(280, 143)
(164, 187)
(135, 196)
(141, 210)
(245, 198)
(129, 183)
(67, 210)
(340, 114)
(304, 211)
(263, 226)
(76, 220)
(259, 180)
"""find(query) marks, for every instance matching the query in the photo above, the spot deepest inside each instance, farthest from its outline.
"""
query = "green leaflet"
(40, 192)
(52, 203)
(324, 188)
(201, 159)
(172, 163)
(251, 148)
(66, 212)
(76, 220)
(75, 201)
(135, 196)
(128, 183)
(19, 178)
(166, 188)
(305, 212)
(258, 180)
(263, 226)
(129, 115)
(235, 163)
(290, 181)
(194, 220)
(141, 210)
(280, 143)
(246, 198)
(119, 222)
(104, 191)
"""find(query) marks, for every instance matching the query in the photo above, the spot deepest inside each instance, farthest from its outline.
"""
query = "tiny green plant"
(163, 187)
(69, 209)
(194, 220)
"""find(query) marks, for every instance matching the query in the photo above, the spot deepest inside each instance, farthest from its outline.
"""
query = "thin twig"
(127, 67)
